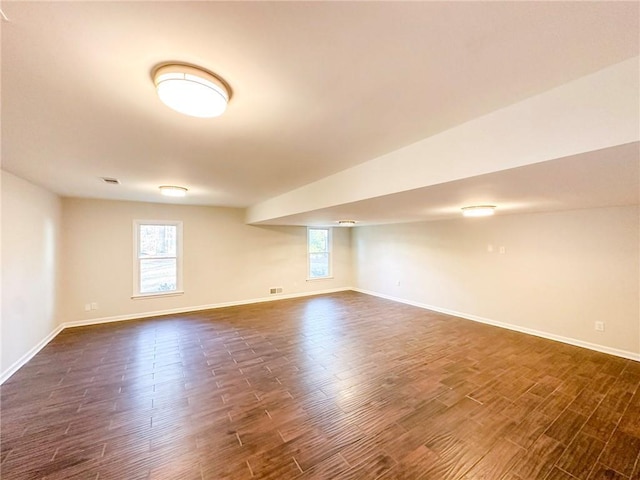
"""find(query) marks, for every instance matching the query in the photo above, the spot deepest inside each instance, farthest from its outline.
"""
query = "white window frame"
(136, 259)
(329, 252)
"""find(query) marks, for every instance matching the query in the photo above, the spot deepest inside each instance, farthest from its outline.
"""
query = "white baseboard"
(29, 355)
(509, 326)
(172, 311)
(120, 318)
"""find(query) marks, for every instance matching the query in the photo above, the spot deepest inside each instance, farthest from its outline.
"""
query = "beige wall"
(30, 260)
(225, 260)
(560, 272)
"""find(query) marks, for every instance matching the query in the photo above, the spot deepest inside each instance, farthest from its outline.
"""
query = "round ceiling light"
(478, 210)
(191, 90)
(173, 191)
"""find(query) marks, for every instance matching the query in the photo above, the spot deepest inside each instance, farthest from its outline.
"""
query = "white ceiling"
(604, 178)
(317, 87)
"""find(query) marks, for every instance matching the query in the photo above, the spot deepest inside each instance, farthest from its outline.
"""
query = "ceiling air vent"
(112, 181)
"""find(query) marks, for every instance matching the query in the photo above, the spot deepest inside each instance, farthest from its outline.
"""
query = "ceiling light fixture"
(173, 191)
(478, 210)
(346, 223)
(191, 90)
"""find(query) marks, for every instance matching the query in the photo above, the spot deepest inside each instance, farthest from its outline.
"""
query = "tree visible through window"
(157, 256)
(319, 248)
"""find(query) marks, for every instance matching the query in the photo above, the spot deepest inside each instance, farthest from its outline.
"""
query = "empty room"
(328, 240)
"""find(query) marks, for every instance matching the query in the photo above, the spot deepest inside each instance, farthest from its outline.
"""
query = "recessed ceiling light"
(478, 210)
(173, 191)
(191, 90)
(346, 223)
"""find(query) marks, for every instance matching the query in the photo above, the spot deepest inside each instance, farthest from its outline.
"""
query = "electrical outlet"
(503, 249)
(599, 326)
(398, 283)
(94, 306)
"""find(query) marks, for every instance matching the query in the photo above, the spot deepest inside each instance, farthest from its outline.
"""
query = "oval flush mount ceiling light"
(346, 223)
(173, 191)
(191, 90)
(478, 210)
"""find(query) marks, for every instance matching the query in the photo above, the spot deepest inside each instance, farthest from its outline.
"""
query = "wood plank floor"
(340, 386)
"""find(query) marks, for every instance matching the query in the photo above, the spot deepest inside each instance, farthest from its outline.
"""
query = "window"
(158, 262)
(319, 248)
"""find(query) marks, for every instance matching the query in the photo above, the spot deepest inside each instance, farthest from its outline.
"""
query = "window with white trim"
(319, 252)
(158, 257)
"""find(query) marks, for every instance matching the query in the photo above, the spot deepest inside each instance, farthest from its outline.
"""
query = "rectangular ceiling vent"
(112, 181)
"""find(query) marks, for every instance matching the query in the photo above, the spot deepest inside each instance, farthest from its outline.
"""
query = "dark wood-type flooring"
(340, 386)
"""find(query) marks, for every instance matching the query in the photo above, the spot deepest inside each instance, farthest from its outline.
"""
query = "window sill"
(319, 278)
(174, 293)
